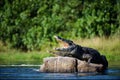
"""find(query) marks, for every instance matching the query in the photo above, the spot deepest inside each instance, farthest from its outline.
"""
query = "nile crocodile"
(71, 49)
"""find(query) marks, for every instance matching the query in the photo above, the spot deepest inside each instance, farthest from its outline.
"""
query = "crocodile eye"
(70, 42)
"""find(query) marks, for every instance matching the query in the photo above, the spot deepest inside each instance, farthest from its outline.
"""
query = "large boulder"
(68, 65)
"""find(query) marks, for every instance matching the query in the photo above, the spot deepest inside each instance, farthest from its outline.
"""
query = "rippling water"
(33, 73)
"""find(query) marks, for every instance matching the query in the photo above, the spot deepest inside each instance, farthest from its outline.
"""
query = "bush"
(28, 24)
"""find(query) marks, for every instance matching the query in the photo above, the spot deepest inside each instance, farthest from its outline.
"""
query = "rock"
(83, 66)
(68, 65)
(58, 64)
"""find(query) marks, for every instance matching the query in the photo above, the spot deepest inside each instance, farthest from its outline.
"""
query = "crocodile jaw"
(63, 44)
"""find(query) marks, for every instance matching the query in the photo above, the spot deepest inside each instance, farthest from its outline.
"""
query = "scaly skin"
(83, 53)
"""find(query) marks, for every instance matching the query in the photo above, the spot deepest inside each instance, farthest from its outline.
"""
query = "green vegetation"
(29, 24)
(19, 58)
(27, 27)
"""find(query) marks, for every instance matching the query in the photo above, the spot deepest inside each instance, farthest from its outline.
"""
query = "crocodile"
(87, 54)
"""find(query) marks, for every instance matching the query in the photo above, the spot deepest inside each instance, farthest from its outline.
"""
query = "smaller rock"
(83, 66)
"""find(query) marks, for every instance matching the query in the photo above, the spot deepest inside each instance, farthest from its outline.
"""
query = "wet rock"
(58, 64)
(83, 66)
(68, 65)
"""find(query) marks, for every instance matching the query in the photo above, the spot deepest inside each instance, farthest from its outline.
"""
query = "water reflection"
(28, 72)
(86, 74)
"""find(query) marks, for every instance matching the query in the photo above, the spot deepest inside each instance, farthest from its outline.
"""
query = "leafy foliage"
(28, 24)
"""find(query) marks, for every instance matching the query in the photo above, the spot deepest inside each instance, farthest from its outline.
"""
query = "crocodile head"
(66, 44)
(69, 48)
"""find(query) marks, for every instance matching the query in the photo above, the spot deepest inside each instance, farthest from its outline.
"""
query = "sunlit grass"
(22, 57)
(107, 44)
(110, 47)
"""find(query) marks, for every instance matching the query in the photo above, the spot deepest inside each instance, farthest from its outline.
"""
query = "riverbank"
(109, 47)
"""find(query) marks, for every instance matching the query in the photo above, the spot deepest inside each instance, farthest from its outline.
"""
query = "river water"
(32, 73)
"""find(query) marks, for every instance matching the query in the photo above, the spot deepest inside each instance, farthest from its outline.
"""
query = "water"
(33, 73)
